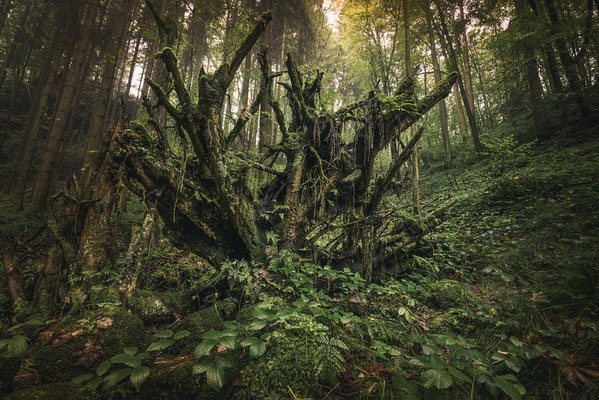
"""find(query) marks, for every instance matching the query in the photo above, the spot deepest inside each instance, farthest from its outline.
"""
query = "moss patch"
(289, 362)
(75, 349)
(53, 391)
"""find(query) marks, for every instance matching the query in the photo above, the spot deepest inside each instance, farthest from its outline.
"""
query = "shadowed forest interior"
(299, 199)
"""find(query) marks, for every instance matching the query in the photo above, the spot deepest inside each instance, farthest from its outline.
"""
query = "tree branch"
(383, 183)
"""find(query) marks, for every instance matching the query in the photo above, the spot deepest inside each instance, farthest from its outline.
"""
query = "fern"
(330, 360)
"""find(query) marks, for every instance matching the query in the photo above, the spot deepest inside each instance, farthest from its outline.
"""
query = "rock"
(53, 391)
(150, 308)
(157, 308)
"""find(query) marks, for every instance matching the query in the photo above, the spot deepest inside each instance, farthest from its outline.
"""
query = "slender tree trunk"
(415, 169)
(453, 64)
(265, 120)
(17, 40)
(567, 61)
(34, 122)
(133, 64)
(437, 73)
(466, 58)
(243, 106)
(42, 186)
(96, 128)
(532, 73)
(4, 10)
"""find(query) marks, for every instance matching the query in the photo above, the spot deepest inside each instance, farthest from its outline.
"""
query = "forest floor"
(500, 301)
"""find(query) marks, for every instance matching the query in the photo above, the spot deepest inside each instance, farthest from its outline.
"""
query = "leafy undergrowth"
(499, 301)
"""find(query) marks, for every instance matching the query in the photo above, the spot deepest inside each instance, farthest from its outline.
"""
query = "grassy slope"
(525, 243)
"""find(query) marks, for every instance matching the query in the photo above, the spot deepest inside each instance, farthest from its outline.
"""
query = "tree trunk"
(19, 33)
(42, 185)
(532, 73)
(453, 64)
(133, 65)
(437, 74)
(213, 213)
(466, 58)
(568, 62)
(415, 167)
(119, 24)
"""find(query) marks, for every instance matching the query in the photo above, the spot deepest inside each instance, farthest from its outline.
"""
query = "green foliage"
(505, 153)
(134, 370)
(15, 346)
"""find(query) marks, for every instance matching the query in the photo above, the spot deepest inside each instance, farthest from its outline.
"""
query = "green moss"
(64, 360)
(289, 362)
(53, 391)
(447, 293)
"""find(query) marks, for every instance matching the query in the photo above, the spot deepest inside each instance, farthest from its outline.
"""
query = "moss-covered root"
(53, 391)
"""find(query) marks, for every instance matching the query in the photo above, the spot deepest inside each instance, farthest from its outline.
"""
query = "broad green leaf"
(94, 383)
(82, 378)
(160, 345)
(228, 341)
(4, 343)
(508, 387)
(257, 349)
(202, 365)
(181, 334)
(437, 378)
(517, 342)
(257, 325)
(223, 361)
(130, 350)
(248, 341)
(115, 377)
(513, 363)
(459, 374)
(103, 367)
(212, 334)
(165, 334)
(126, 359)
(231, 325)
(138, 376)
(204, 347)
(215, 377)
(17, 345)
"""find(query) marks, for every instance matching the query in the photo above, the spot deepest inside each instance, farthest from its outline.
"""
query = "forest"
(299, 199)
